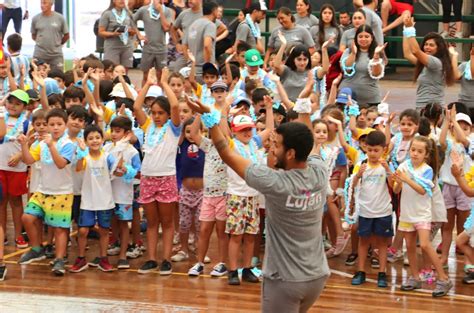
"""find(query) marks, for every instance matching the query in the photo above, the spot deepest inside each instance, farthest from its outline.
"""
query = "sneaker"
(442, 288)
(148, 267)
(175, 238)
(3, 272)
(31, 256)
(196, 270)
(95, 262)
(351, 259)
(180, 256)
(394, 255)
(65, 260)
(411, 284)
(123, 264)
(382, 280)
(207, 260)
(165, 268)
(249, 276)
(141, 246)
(114, 249)
(58, 267)
(21, 242)
(233, 278)
(49, 251)
(133, 251)
(79, 265)
(358, 278)
(468, 268)
(341, 243)
(374, 262)
(255, 262)
(427, 276)
(105, 266)
(219, 270)
(469, 278)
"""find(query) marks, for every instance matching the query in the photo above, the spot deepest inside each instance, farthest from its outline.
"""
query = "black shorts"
(380, 226)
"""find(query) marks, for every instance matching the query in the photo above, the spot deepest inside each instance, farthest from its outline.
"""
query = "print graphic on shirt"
(97, 171)
(193, 151)
(307, 200)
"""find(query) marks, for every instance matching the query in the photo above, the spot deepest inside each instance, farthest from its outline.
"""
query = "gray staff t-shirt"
(293, 81)
(431, 83)
(244, 33)
(153, 29)
(307, 22)
(49, 31)
(328, 33)
(297, 35)
(375, 22)
(186, 18)
(110, 23)
(194, 39)
(348, 37)
(294, 202)
(466, 95)
(366, 88)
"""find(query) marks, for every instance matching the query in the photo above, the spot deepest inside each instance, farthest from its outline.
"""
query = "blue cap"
(344, 94)
(241, 99)
(51, 86)
(89, 84)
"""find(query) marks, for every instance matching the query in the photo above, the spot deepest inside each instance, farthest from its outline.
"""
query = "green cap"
(253, 57)
(20, 95)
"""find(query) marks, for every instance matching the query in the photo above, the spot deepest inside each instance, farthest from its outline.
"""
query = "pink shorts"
(160, 189)
(213, 208)
(410, 227)
(455, 198)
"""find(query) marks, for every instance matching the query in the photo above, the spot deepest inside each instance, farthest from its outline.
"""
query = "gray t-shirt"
(243, 33)
(466, 95)
(186, 18)
(328, 33)
(153, 29)
(366, 88)
(375, 22)
(293, 81)
(348, 37)
(294, 202)
(194, 39)
(297, 35)
(307, 22)
(431, 83)
(110, 23)
(49, 31)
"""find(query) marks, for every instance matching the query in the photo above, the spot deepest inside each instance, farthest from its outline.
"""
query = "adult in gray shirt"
(304, 16)
(295, 268)
(200, 38)
(466, 74)
(358, 19)
(157, 20)
(373, 20)
(117, 28)
(50, 32)
(433, 66)
(363, 67)
(327, 27)
(248, 30)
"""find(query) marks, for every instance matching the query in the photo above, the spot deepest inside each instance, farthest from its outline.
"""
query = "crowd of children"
(96, 154)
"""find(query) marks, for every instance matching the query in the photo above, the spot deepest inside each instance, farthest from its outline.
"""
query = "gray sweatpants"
(290, 297)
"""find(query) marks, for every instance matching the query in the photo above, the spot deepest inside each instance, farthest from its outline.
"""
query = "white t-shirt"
(35, 173)
(374, 197)
(215, 171)
(403, 149)
(161, 159)
(122, 190)
(12, 147)
(96, 193)
(445, 171)
(414, 207)
(438, 208)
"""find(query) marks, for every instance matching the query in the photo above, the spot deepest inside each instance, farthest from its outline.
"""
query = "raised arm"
(269, 119)
(278, 62)
(325, 58)
(174, 106)
(444, 130)
(414, 52)
(43, 97)
(192, 74)
(26, 156)
(140, 114)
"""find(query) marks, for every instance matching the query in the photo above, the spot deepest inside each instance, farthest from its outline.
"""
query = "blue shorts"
(380, 226)
(124, 212)
(90, 218)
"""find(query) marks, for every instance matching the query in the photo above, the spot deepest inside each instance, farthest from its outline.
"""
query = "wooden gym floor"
(32, 288)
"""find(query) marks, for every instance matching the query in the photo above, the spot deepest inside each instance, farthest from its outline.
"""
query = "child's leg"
(461, 217)
(17, 211)
(185, 220)
(249, 241)
(31, 227)
(151, 211)
(50, 236)
(234, 251)
(354, 239)
(3, 211)
(82, 240)
(123, 213)
(2, 238)
(205, 232)
(115, 228)
(176, 218)
(136, 238)
(425, 245)
(447, 235)
(381, 244)
(410, 238)
(363, 248)
(165, 213)
(462, 242)
(103, 241)
(223, 241)
(60, 237)
(124, 239)
(335, 218)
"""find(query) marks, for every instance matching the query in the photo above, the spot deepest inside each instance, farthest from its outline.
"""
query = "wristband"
(373, 63)
(349, 71)
(467, 71)
(211, 119)
(353, 110)
(409, 32)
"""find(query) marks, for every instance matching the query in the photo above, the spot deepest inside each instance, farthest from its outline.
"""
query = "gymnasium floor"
(32, 288)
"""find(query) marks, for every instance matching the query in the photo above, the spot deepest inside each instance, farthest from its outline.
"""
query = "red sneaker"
(105, 266)
(21, 242)
(79, 265)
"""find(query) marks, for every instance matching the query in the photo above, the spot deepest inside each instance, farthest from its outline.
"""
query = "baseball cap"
(259, 6)
(210, 68)
(220, 84)
(154, 91)
(118, 91)
(20, 95)
(33, 94)
(464, 118)
(364, 132)
(241, 122)
(277, 108)
(343, 95)
(253, 58)
(51, 86)
(240, 99)
(185, 71)
(380, 120)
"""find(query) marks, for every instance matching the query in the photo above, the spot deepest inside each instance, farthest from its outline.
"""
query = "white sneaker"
(219, 270)
(207, 260)
(176, 238)
(180, 256)
(196, 270)
(191, 238)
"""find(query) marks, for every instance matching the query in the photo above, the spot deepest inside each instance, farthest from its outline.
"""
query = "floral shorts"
(160, 189)
(242, 215)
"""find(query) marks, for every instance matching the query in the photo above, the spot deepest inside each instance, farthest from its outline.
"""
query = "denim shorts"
(90, 218)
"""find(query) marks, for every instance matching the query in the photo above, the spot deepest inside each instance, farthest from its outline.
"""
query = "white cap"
(185, 71)
(154, 91)
(463, 117)
(379, 121)
(383, 108)
(119, 92)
